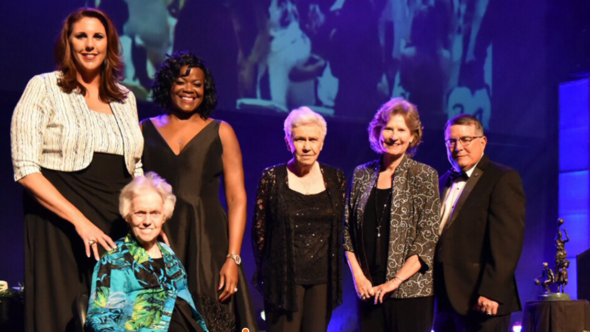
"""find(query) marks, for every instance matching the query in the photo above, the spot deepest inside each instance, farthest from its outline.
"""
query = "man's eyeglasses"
(465, 141)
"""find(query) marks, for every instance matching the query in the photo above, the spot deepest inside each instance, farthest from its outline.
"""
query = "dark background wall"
(536, 45)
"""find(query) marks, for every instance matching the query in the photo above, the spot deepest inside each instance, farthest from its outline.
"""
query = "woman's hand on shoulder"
(92, 236)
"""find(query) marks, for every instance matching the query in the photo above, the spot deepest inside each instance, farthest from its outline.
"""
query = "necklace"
(306, 187)
(380, 217)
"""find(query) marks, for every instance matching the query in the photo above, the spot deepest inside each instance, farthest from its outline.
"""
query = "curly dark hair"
(169, 71)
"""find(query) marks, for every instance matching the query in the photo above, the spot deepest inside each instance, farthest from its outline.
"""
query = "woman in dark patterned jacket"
(391, 226)
(297, 231)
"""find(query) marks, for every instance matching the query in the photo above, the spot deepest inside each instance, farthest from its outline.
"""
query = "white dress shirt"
(450, 200)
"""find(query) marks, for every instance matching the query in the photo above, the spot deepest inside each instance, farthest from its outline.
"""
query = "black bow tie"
(457, 175)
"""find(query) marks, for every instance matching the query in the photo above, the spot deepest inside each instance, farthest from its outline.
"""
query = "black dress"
(57, 269)
(394, 315)
(199, 231)
(182, 319)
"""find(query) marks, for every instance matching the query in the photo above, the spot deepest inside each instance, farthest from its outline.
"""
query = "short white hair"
(304, 116)
(151, 181)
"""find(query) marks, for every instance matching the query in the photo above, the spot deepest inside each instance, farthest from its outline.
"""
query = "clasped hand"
(365, 290)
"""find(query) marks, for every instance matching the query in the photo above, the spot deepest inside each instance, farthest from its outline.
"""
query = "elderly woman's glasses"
(142, 215)
(465, 141)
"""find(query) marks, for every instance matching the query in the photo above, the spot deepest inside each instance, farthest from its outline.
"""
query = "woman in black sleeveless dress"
(192, 151)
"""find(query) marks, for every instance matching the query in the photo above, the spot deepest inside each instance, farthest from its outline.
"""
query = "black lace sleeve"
(342, 183)
(348, 215)
(260, 214)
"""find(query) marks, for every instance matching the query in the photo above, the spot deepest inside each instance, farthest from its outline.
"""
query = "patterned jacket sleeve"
(342, 182)
(29, 120)
(102, 313)
(427, 205)
(260, 215)
(348, 214)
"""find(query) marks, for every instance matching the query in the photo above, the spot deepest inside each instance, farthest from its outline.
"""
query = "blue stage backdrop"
(497, 59)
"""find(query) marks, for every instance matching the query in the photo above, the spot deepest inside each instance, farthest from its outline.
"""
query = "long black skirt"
(56, 266)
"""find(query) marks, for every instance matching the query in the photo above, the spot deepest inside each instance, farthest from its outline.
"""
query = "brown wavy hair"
(396, 106)
(111, 71)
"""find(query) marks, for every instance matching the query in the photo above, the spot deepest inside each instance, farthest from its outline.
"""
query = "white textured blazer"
(52, 129)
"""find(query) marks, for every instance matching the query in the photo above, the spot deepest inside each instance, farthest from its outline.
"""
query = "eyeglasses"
(465, 141)
(142, 215)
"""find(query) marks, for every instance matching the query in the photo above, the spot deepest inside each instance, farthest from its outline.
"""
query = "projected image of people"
(147, 35)
(341, 58)
(288, 71)
(440, 67)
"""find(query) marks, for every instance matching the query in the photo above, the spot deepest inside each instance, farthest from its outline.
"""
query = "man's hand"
(487, 306)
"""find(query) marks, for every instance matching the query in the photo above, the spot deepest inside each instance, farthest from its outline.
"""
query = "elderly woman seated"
(141, 285)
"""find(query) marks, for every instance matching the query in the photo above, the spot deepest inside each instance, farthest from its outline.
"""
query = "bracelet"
(398, 278)
(235, 257)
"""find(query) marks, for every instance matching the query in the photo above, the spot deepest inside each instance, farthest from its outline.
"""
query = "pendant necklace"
(306, 188)
(380, 217)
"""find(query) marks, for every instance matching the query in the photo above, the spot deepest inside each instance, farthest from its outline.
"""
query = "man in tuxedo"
(481, 235)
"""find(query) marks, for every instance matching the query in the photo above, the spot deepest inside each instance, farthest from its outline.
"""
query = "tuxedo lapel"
(473, 179)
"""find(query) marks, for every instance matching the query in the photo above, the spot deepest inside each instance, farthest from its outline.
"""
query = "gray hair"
(151, 181)
(303, 116)
(465, 120)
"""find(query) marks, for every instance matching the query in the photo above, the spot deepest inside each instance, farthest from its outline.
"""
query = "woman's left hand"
(383, 291)
(228, 278)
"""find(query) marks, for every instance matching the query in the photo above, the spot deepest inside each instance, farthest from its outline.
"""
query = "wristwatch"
(235, 257)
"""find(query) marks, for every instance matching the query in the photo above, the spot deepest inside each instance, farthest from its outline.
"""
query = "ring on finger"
(489, 313)
(236, 290)
(91, 242)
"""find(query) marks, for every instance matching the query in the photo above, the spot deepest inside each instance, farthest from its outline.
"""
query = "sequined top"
(312, 217)
(273, 238)
(53, 129)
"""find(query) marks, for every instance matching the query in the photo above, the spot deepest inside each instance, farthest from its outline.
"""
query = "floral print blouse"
(129, 293)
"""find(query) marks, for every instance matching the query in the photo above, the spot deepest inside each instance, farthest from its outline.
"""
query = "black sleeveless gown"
(198, 230)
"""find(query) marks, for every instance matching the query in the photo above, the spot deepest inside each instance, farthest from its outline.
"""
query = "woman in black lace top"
(391, 226)
(296, 231)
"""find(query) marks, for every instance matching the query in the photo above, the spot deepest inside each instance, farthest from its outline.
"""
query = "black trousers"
(448, 320)
(313, 314)
(397, 315)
